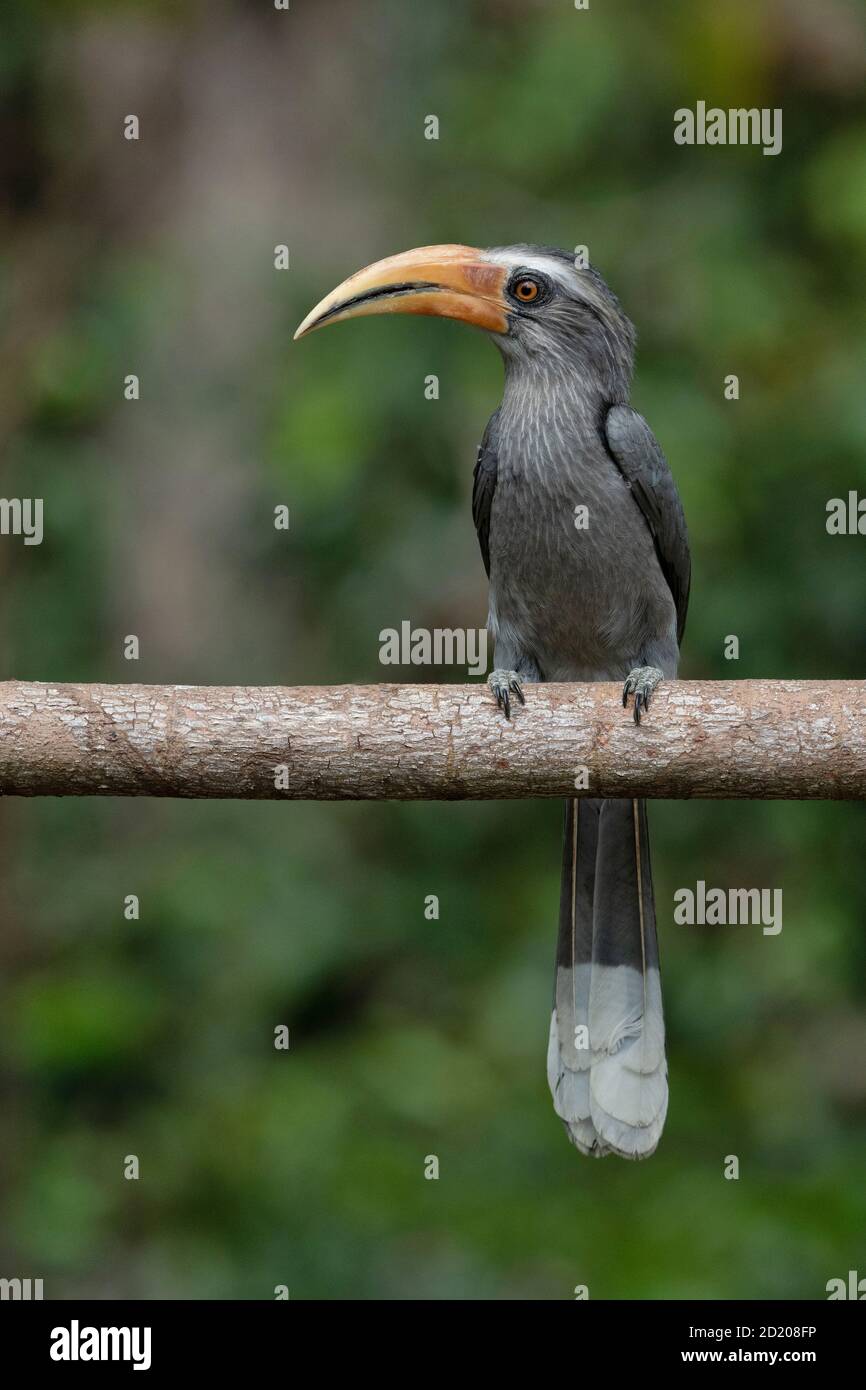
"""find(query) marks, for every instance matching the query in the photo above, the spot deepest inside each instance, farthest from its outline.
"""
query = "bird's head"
(543, 310)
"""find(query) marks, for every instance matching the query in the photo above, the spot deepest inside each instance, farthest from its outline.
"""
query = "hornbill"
(605, 601)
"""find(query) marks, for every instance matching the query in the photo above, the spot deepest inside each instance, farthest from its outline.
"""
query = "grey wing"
(484, 486)
(639, 457)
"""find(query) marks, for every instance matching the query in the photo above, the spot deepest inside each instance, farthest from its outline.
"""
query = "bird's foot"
(641, 683)
(504, 684)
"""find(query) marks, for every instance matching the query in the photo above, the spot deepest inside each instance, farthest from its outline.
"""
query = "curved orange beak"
(453, 282)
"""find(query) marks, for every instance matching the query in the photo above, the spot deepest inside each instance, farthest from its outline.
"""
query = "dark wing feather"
(639, 458)
(484, 486)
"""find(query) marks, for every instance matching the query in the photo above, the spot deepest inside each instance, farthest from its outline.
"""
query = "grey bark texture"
(755, 739)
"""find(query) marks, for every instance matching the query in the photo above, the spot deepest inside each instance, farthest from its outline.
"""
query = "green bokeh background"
(410, 1037)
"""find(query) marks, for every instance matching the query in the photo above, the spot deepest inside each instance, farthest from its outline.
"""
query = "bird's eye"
(527, 287)
(526, 290)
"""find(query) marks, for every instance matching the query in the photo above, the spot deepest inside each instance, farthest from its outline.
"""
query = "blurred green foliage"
(410, 1037)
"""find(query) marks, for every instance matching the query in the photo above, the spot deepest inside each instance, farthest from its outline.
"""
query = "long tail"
(606, 1059)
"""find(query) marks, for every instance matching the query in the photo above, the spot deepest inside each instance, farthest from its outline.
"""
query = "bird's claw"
(504, 684)
(641, 683)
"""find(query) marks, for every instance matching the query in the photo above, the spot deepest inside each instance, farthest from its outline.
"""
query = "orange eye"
(526, 291)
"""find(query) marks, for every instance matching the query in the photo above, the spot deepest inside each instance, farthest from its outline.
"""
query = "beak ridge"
(448, 281)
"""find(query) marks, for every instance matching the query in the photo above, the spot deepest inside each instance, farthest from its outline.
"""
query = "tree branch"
(779, 739)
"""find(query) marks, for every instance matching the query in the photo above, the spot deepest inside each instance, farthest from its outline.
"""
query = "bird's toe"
(504, 684)
(642, 683)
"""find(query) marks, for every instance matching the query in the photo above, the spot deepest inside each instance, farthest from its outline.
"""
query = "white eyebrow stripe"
(568, 276)
(549, 265)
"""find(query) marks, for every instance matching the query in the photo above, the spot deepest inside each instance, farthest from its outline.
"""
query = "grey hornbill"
(601, 603)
